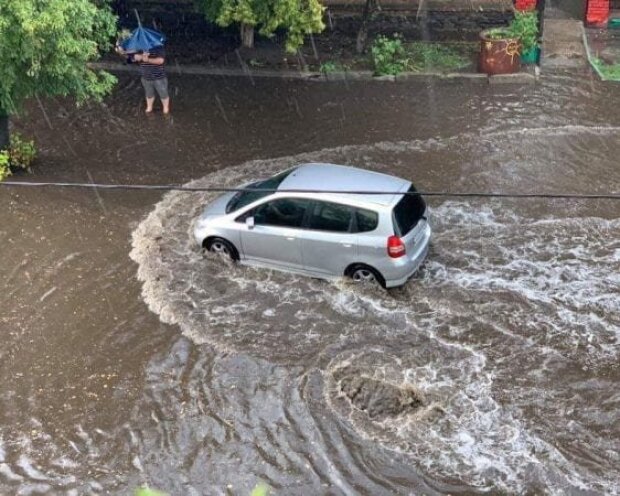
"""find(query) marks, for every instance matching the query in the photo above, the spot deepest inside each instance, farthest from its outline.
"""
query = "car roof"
(332, 177)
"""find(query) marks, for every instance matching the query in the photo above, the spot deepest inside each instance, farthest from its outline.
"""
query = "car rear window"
(243, 198)
(367, 220)
(408, 212)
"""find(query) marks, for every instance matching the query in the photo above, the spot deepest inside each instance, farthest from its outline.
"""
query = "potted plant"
(500, 51)
(525, 27)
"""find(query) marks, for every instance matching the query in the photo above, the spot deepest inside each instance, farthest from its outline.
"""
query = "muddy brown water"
(129, 357)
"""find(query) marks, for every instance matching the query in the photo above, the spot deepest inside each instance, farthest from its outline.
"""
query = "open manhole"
(379, 399)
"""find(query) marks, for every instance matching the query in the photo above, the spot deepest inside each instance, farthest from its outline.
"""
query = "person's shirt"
(151, 71)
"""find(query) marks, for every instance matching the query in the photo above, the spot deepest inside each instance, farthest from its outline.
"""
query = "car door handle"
(290, 238)
(347, 245)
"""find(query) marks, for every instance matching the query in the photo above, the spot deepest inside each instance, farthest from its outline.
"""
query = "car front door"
(274, 237)
(328, 245)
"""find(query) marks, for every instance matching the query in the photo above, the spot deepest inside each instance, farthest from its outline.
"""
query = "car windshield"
(408, 212)
(243, 198)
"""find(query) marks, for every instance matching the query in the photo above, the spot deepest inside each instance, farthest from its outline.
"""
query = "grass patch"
(436, 57)
(608, 71)
(330, 67)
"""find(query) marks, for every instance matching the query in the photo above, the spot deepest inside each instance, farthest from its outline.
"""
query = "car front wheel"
(222, 247)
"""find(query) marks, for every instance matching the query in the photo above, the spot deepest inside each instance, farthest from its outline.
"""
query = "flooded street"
(131, 357)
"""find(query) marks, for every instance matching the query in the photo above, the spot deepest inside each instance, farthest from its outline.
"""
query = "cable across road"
(221, 189)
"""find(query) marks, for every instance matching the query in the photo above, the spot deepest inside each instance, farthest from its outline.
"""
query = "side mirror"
(249, 221)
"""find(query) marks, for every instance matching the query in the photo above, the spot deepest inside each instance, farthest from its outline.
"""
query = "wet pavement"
(130, 357)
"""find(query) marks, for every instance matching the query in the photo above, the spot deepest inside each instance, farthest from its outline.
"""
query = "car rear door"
(328, 245)
(274, 238)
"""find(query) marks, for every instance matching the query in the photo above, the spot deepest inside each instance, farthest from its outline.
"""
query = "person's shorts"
(153, 85)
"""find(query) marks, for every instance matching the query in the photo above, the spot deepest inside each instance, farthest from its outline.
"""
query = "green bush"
(330, 67)
(525, 27)
(5, 169)
(19, 155)
(389, 56)
(21, 152)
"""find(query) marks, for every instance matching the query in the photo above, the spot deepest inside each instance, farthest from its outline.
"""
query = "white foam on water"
(578, 274)
(8, 475)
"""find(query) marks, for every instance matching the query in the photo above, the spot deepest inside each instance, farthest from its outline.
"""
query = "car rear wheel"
(364, 274)
(222, 247)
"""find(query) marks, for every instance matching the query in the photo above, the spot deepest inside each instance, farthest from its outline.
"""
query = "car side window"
(284, 212)
(330, 217)
(367, 220)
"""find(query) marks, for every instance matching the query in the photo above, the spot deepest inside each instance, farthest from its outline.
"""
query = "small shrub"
(21, 152)
(389, 56)
(330, 67)
(256, 63)
(5, 169)
(525, 27)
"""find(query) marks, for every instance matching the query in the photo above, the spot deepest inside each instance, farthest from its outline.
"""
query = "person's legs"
(149, 92)
(161, 85)
(149, 104)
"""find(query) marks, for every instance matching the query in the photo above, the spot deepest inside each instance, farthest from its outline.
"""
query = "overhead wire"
(222, 189)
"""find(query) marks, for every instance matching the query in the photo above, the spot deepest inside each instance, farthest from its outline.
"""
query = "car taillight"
(395, 247)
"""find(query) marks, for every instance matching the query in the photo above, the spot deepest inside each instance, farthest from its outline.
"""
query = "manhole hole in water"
(379, 399)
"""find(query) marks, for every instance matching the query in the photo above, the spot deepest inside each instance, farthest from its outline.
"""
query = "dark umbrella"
(142, 39)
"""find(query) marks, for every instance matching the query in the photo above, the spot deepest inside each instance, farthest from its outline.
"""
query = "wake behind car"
(375, 229)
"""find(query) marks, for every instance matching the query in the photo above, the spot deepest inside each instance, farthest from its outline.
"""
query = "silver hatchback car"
(368, 237)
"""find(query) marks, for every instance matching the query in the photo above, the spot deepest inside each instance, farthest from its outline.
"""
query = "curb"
(517, 78)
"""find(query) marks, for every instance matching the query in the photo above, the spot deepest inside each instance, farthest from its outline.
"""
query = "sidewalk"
(563, 44)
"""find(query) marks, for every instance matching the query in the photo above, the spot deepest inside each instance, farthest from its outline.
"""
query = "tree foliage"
(298, 17)
(45, 48)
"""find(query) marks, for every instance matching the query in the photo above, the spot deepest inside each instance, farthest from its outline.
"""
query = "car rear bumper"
(398, 275)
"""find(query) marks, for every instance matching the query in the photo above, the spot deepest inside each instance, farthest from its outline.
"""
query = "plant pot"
(498, 54)
(531, 56)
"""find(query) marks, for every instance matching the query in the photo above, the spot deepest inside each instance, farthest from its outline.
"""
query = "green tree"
(298, 17)
(45, 48)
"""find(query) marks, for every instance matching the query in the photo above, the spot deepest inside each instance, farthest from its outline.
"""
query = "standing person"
(154, 77)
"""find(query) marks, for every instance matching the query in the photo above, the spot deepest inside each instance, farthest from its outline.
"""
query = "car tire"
(221, 246)
(365, 274)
